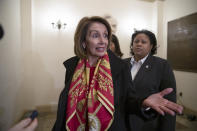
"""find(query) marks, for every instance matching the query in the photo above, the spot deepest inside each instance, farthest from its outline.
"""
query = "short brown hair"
(81, 32)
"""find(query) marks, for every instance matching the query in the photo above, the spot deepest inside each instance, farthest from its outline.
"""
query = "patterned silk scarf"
(90, 107)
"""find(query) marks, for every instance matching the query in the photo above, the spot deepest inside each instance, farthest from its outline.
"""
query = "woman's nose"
(139, 43)
(102, 39)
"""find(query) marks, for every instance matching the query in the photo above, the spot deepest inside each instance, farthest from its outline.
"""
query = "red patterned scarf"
(90, 106)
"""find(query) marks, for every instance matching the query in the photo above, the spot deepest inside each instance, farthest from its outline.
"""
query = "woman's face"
(96, 40)
(141, 46)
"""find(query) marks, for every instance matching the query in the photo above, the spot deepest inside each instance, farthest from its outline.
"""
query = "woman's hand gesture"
(162, 105)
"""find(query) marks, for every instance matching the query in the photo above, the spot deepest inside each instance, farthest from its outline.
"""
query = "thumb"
(24, 123)
(21, 125)
(166, 91)
(33, 125)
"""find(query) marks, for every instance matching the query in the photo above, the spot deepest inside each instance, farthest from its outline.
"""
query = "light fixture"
(59, 25)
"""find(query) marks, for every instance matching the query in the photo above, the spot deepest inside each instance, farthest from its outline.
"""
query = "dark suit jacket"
(124, 100)
(154, 75)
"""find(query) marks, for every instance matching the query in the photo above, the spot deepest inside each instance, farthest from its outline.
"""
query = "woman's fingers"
(33, 125)
(24, 123)
(159, 110)
(21, 125)
(162, 105)
(169, 111)
(170, 107)
(175, 107)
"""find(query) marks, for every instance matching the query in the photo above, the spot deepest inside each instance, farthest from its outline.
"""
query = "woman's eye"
(143, 42)
(95, 35)
(136, 41)
(106, 36)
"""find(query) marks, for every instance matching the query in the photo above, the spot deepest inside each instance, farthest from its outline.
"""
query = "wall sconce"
(59, 25)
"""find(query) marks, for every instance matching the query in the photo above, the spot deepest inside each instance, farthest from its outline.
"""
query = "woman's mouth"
(100, 49)
(138, 49)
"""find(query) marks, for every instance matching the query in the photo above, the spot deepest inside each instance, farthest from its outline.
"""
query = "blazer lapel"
(146, 67)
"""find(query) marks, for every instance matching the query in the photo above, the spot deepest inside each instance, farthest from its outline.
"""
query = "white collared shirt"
(136, 66)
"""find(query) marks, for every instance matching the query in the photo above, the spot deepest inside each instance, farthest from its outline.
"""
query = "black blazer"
(124, 100)
(154, 75)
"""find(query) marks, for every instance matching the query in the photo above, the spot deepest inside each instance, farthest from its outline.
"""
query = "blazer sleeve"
(61, 111)
(60, 118)
(168, 122)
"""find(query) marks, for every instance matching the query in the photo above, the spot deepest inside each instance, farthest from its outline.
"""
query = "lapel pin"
(147, 66)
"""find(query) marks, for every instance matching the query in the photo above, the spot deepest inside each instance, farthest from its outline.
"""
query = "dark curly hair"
(151, 36)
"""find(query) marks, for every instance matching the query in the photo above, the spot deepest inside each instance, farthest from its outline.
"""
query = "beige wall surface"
(10, 61)
(186, 81)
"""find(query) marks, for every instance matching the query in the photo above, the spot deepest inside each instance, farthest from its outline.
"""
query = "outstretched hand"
(162, 105)
(25, 125)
